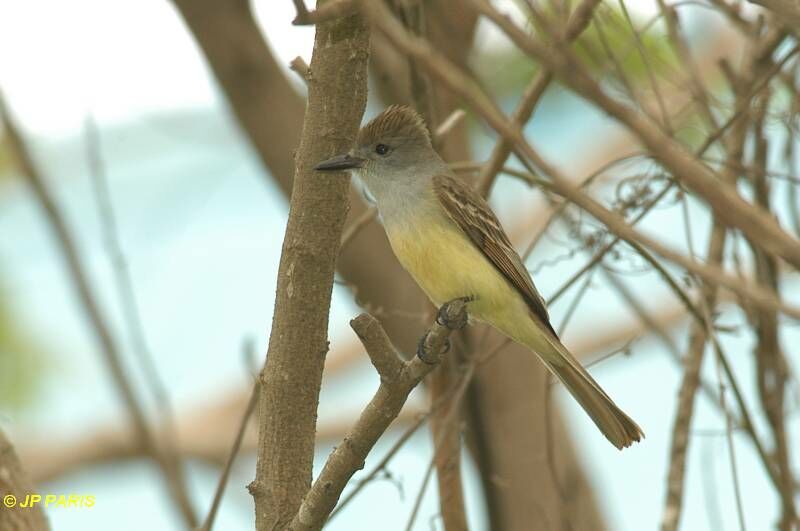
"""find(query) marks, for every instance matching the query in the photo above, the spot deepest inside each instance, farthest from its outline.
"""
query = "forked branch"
(398, 379)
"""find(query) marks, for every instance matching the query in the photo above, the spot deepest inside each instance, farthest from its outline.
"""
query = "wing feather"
(474, 216)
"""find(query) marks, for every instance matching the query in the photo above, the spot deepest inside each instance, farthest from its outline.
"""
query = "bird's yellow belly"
(447, 265)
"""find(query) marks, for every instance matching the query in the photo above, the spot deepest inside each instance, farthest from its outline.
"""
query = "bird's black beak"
(340, 163)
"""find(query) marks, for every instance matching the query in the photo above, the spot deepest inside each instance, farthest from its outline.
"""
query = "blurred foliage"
(5, 157)
(22, 361)
(510, 70)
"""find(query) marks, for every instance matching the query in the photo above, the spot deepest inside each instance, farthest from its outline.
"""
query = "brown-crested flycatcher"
(448, 239)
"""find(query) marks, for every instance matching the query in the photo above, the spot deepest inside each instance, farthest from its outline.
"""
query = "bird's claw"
(452, 314)
(423, 350)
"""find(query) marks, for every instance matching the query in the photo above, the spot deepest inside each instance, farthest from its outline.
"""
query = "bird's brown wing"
(472, 214)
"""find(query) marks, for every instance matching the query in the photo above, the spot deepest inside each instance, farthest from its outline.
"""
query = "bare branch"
(300, 67)
(420, 495)
(449, 123)
(458, 82)
(355, 227)
(771, 364)
(226, 471)
(786, 10)
(685, 409)
(578, 22)
(326, 12)
(127, 296)
(170, 468)
(381, 466)
(398, 379)
(727, 204)
(446, 427)
(381, 352)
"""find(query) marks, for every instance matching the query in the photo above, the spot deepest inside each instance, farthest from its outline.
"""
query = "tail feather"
(618, 427)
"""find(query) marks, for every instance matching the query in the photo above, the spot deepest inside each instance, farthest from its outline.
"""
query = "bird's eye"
(381, 149)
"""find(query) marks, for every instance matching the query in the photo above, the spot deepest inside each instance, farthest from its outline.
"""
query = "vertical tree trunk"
(337, 92)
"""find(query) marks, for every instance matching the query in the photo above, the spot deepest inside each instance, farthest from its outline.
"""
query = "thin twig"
(726, 203)
(108, 345)
(299, 66)
(226, 471)
(678, 42)
(686, 395)
(420, 494)
(127, 297)
(355, 227)
(533, 94)
(326, 12)
(648, 68)
(456, 81)
(449, 123)
(770, 361)
(737, 491)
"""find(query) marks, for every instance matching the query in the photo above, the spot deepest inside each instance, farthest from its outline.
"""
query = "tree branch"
(727, 204)
(208, 523)
(398, 379)
(578, 22)
(170, 468)
(446, 428)
(291, 378)
(458, 82)
(785, 10)
(772, 368)
(328, 11)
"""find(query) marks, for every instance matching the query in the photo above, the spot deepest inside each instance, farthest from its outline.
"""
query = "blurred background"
(159, 185)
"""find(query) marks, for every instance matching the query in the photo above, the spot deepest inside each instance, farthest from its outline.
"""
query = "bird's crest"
(397, 121)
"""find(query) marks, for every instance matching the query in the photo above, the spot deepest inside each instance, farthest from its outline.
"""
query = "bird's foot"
(424, 350)
(453, 314)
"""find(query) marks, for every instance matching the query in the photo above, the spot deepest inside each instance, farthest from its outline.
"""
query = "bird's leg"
(452, 316)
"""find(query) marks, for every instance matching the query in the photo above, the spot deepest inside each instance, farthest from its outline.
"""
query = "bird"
(446, 236)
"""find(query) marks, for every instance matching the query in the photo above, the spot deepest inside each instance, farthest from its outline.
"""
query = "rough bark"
(337, 91)
(14, 484)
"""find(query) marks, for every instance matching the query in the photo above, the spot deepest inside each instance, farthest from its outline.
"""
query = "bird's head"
(391, 145)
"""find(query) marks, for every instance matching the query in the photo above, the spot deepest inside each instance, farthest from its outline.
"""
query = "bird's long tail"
(618, 427)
